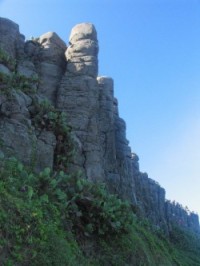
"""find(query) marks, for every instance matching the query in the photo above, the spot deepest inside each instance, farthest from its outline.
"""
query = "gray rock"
(9, 35)
(27, 68)
(49, 76)
(16, 106)
(83, 50)
(106, 128)
(45, 146)
(52, 64)
(31, 50)
(53, 48)
(83, 31)
(78, 96)
(152, 200)
(177, 215)
(102, 152)
(4, 70)
(17, 140)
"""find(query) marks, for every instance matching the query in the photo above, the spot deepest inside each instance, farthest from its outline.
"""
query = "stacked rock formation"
(68, 79)
(78, 97)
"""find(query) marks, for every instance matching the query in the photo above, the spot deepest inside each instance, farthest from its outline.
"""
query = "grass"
(48, 219)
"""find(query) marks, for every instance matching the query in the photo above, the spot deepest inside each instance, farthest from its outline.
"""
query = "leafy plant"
(6, 59)
(17, 82)
(31, 208)
(48, 219)
(94, 211)
(46, 117)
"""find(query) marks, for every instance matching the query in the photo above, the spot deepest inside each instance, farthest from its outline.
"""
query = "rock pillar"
(78, 97)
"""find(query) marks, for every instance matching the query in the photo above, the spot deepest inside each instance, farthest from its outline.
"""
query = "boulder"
(9, 32)
(82, 53)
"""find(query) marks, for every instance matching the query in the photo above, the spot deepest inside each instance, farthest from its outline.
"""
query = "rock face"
(78, 96)
(44, 72)
(10, 36)
(52, 65)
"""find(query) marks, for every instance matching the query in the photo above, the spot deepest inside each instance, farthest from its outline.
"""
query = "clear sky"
(151, 48)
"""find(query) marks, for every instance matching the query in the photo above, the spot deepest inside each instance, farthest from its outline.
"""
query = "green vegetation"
(7, 60)
(46, 117)
(17, 82)
(11, 81)
(58, 219)
(33, 218)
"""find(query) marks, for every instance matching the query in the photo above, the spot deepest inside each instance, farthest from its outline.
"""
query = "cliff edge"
(45, 73)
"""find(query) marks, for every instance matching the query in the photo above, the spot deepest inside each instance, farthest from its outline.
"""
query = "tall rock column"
(107, 133)
(10, 36)
(78, 97)
(123, 158)
(52, 64)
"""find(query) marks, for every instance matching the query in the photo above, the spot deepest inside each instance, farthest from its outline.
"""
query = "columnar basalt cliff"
(68, 78)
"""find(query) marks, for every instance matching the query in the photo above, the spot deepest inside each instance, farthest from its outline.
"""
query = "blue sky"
(151, 48)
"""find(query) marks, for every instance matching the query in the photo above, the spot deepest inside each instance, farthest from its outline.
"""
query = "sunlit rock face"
(78, 96)
(82, 53)
(67, 77)
(52, 64)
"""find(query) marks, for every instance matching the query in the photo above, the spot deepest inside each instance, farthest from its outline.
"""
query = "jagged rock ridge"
(68, 78)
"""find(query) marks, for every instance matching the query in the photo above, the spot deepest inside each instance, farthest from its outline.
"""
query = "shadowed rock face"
(68, 78)
(9, 32)
(52, 65)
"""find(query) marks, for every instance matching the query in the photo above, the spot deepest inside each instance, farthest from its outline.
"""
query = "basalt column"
(78, 97)
(123, 158)
(107, 133)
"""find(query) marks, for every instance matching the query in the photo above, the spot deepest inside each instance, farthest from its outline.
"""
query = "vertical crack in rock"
(78, 97)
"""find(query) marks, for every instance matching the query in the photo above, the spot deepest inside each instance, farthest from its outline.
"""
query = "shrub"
(43, 215)
(46, 117)
(17, 82)
(37, 211)
(6, 59)
(31, 207)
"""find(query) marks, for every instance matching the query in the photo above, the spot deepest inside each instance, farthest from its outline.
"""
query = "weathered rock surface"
(9, 32)
(116, 153)
(78, 97)
(4, 70)
(68, 78)
(107, 132)
(177, 215)
(83, 50)
(52, 64)
(151, 200)
(17, 134)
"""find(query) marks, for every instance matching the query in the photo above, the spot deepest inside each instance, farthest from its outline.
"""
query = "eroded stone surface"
(9, 32)
(52, 64)
(78, 96)
(83, 50)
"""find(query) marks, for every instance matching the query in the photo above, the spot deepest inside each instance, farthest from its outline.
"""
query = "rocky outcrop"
(52, 65)
(150, 196)
(10, 37)
(116, 153)
(42, 75)
(152, 204)
(78, 98)
(19, 86)
(178, 216)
